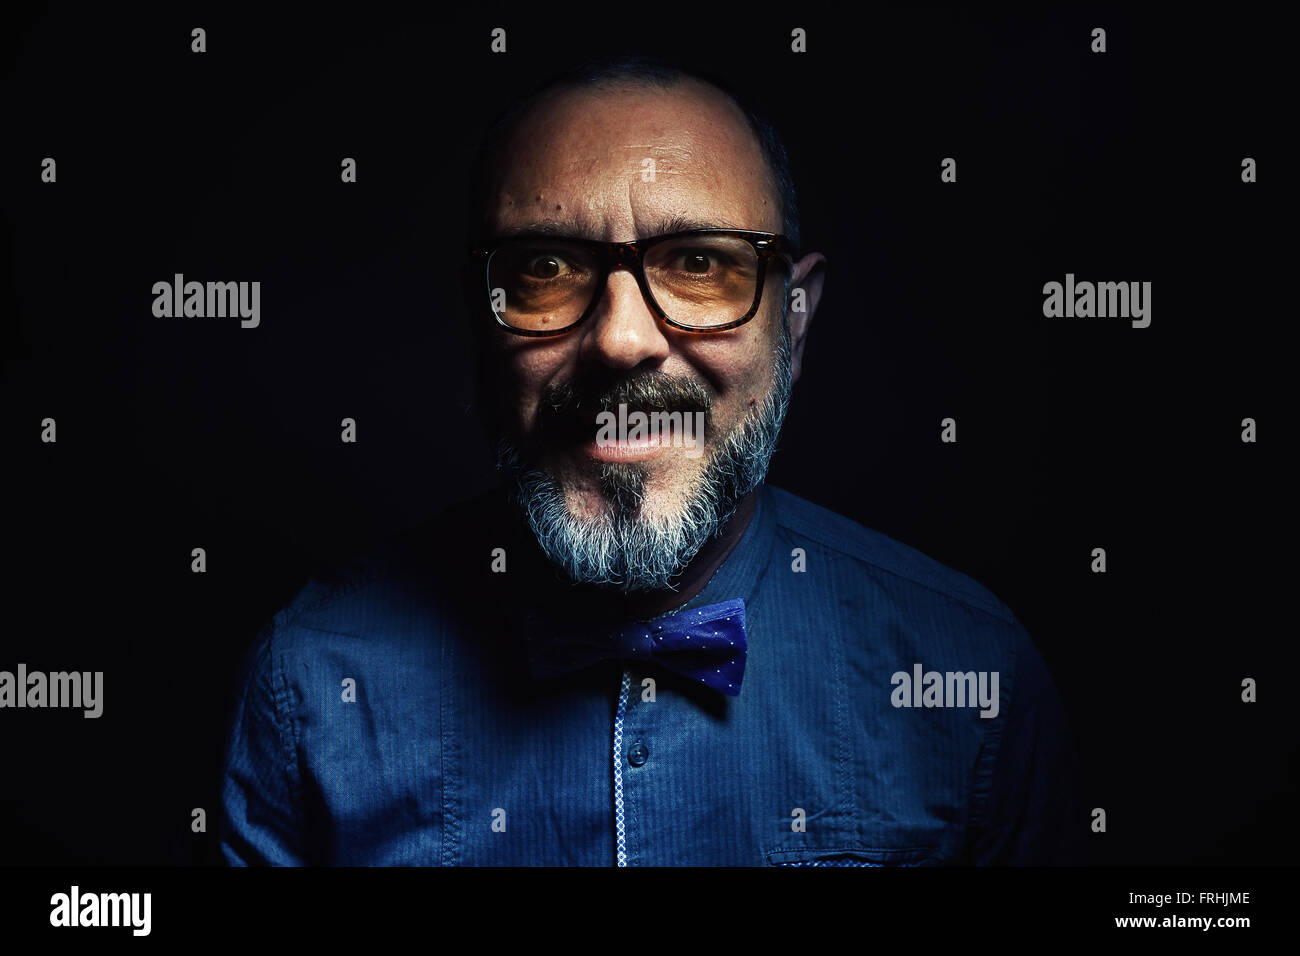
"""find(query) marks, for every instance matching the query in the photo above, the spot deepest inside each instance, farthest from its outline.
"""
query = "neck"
(697, 574)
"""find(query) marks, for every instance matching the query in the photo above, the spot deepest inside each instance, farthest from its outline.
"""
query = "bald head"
(677, 131)
(627, 161)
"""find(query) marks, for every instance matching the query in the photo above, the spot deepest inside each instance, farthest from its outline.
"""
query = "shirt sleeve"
(259, 822)
(1031, 814)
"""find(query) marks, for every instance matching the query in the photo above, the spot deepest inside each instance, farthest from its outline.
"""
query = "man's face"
(575, 165)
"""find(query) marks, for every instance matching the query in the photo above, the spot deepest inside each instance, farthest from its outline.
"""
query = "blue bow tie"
(705, 644)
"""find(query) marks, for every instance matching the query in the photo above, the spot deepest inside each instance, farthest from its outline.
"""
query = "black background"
(1073, 433)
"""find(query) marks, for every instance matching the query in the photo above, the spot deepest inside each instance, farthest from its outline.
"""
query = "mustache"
(570, 408)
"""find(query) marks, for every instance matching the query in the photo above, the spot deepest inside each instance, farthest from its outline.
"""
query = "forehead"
(624, 161)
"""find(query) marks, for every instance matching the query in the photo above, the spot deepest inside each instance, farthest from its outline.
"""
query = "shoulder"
(394, 592)
(897, 609)
(855, 548)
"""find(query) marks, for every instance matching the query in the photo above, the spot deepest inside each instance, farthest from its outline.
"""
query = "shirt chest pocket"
(852, 856)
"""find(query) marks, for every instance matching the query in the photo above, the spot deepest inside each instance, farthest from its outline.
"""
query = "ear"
(808, 275)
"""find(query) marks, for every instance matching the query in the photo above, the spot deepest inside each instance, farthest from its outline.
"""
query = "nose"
(623, 333)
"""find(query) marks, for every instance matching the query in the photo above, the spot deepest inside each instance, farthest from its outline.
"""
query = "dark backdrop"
(1073, 433)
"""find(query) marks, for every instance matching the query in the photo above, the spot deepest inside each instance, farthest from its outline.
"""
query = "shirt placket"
(620, 821)
(634, 737)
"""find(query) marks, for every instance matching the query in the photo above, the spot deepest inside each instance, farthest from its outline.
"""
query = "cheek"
(740, 370)
(527, 369)
(759, 373)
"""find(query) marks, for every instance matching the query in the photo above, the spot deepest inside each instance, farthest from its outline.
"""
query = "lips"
(625, 449)
(624, 420)
(635, 434)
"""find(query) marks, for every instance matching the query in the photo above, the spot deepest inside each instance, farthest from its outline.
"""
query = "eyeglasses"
(705, 280)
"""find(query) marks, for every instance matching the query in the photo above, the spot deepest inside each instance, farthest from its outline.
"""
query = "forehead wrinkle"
(649, 225)
(577, 226)
(680, 150)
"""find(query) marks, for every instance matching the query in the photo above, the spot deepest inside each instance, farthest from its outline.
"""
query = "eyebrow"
(563, 228)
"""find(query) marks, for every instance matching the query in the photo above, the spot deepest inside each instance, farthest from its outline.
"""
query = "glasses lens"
(703, 281)
(541, 285)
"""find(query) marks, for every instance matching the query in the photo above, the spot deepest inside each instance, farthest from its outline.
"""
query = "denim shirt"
(387, 716)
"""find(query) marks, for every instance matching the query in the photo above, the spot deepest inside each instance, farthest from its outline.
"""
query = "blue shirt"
(387, 716)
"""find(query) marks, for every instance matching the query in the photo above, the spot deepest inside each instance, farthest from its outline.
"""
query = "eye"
(697, 262)
(545, 267)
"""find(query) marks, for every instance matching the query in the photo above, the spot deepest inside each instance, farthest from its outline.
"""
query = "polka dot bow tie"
(704, 644)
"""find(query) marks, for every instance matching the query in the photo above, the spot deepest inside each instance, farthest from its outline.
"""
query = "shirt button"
(638, 754)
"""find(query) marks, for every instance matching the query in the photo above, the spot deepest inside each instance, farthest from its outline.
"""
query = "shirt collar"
(740, 574)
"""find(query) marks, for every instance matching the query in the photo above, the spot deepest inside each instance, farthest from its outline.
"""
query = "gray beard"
(623, 550)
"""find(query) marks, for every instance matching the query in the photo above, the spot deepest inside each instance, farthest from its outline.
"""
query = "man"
(639, 654)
